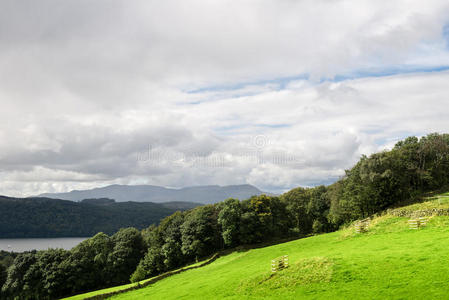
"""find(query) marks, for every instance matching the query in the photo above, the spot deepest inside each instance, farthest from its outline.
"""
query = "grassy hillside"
(389, 261)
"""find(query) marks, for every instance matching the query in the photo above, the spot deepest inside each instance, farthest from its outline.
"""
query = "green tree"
(318, 209)
(229, 220)
(3, 275)
(200, 234)
(129, 248)
(152, 264)
(86, 261)
(297, 203)
(261, 206)
(20, 282)
(281, 222)
(249, 228)
(53, 276)
(334, 195)
(171, 238)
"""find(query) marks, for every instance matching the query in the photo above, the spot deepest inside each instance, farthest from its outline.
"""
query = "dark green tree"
(86, 261)
(249, 228)
(281, 223)
(262, 208)
(318, 209)
(297, 203)
(53, 276)
(3, 275)
(200, 234)
(129, 248)
(21, 282)
(229, 220)
(152, 264)
(172, 240)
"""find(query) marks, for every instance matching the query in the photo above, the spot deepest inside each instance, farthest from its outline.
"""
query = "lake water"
(21, 245)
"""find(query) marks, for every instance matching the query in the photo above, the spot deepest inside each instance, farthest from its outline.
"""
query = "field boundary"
(153, 280)
(146, 282)
(418, 213)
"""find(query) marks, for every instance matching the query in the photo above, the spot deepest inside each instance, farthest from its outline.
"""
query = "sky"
(177, 93)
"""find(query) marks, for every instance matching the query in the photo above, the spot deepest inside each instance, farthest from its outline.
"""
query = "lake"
(21, 245)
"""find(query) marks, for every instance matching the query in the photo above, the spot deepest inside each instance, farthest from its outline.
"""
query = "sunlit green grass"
(391, 264)
(99, 292)
(118, 288)
(440, 201)
(390, 261)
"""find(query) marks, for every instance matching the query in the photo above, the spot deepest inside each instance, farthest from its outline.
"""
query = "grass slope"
(388, 262)
(125, 286)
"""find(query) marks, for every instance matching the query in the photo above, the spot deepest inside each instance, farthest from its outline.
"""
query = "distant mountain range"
(149, 193)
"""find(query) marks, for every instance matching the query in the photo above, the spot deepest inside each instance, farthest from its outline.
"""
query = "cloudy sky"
(277, 93)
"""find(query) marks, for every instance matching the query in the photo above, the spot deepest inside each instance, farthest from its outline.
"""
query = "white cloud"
(86, 88)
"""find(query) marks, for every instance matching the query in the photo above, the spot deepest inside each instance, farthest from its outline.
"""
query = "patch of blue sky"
(230, 129)
(445, 33)
(239, 127)
(399, 136)
(240, 90)
(273, 125)
(326, 182)
(306, 184)
(374, 129)
(391, 71)
(237, 90)
(280, 84)
(385, 141)
(220, 96)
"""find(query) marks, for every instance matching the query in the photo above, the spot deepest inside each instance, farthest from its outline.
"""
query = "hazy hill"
(149, 193)
(45, 217)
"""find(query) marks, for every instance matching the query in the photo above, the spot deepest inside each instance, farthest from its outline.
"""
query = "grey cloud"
(86, 87)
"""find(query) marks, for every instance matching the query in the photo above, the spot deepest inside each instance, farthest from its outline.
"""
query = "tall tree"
(172, 240)
(129, 249)
(20, 282)
(297, 202)
(87, 260)
(53, 275)
(229, 220)
(318, 209)
(200, 234)
(262, 208)
(152, 264)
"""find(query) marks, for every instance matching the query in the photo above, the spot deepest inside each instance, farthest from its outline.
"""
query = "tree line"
(98, 262)
(413, 167)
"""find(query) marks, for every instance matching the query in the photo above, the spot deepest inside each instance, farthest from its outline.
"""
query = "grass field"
(119, 288)
(390, 261)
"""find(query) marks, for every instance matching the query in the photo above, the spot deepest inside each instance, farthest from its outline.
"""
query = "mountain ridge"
(207, 194)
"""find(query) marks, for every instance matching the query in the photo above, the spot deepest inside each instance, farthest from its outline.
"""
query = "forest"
(48, 218)
(412, 168)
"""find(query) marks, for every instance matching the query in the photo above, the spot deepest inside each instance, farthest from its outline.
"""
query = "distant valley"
(107, 209)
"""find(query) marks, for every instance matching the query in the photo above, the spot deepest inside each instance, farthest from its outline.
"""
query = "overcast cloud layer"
(177, 93)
